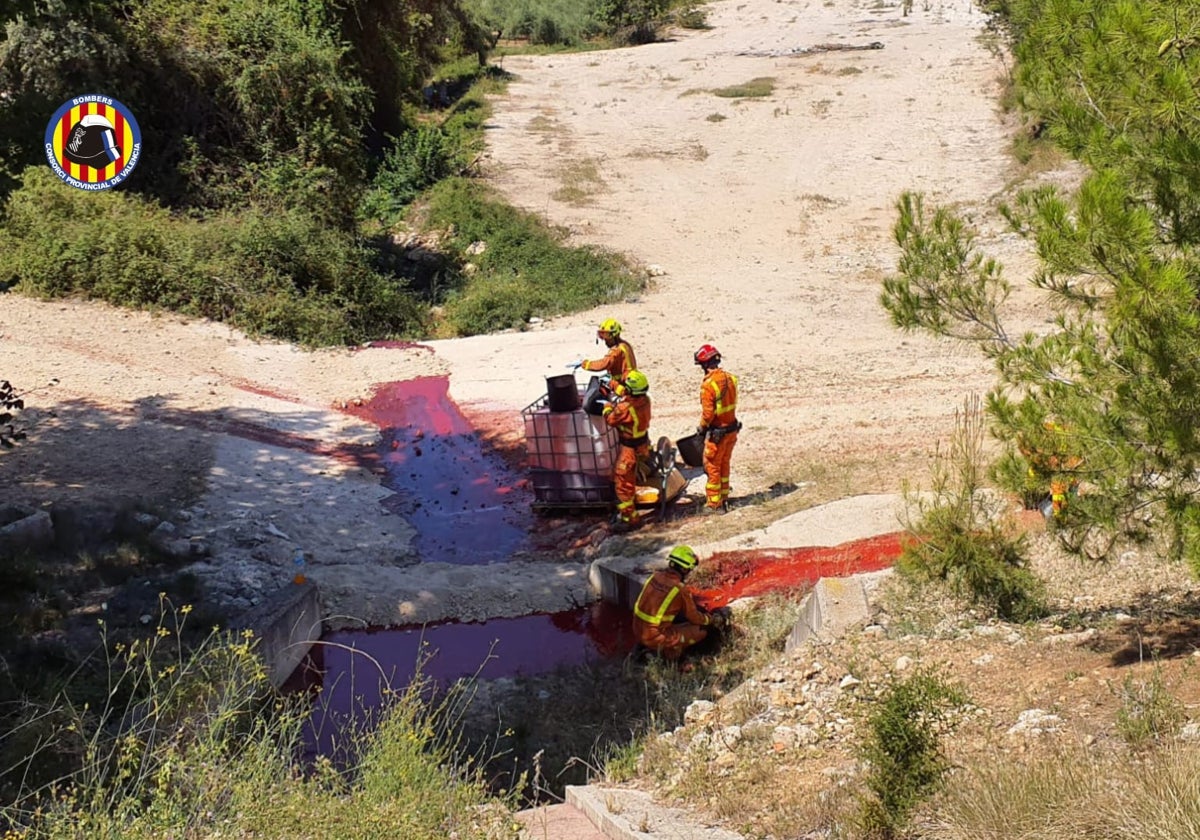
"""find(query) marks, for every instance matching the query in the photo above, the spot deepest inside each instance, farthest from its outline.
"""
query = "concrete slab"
(833, 606)
(834, 523)
(556, 822)
(622, 814)
(285, 625)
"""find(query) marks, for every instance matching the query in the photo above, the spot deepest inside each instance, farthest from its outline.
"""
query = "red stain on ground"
(253, 388)
(462, 498)
(731, 575)
(355, 455)
(395, 345)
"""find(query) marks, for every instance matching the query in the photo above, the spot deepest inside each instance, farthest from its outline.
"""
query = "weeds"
(903, 749)
(526, 269)
(1070, 795)
(197, 744)
(1148, 713)
(757, 87)
(961, 537)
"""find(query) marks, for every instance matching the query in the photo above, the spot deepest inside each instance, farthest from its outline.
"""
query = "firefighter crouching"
(629, 413)
(666, 619)
(718, 421)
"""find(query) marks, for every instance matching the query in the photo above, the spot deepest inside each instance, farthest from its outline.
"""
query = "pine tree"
(1108, 400)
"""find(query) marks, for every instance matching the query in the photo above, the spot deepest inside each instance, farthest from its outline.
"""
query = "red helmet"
(707, 355)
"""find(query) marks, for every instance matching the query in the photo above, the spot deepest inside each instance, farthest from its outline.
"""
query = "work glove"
(575, 365)
(702, 430)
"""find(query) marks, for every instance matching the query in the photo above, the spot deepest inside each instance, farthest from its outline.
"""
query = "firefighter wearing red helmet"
(719, 425)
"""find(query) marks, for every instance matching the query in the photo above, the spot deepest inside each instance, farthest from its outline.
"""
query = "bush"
(417, 160)
(286, 275)
(1148, 712)
(525, 268)
(903, 750)
(961, 538)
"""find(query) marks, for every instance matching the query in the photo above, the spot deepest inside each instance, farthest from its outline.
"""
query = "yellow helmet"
(609, 326)
(636, 383)
(683, 558)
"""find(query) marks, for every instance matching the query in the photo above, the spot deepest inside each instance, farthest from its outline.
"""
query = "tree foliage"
(1112, 388)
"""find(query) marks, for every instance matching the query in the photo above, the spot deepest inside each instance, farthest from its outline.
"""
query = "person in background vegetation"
(619, 360)
(666, 619)
(629, 413)
(719, 423)
(1052, 465)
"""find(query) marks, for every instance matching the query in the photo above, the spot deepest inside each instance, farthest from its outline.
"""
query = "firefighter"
(1052, 463)
(619, 360)
(666, 619)
(719, 425)
(629, 413)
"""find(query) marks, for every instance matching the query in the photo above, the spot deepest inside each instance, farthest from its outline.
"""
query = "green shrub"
(1148, 712)
(417, 160)
(544, 22)
(525, 268)
(286, 275)
(903, 749)
(961, 538)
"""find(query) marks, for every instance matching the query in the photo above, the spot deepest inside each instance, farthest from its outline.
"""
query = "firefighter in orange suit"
(619, 360)
(665, 617)
(719, 423)
(629, 413)
(1053, 461)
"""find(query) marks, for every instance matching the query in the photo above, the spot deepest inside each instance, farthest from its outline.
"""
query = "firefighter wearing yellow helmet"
(619, 360)
(629, 413)
(666, 619)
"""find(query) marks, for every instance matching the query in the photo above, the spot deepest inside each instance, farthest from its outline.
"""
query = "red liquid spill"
(252, 388)
(396, 345)
(741, 574)
(359, 664)
(462, 500)
(352, 667)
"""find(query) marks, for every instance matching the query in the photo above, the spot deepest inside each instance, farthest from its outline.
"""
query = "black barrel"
(562, 394)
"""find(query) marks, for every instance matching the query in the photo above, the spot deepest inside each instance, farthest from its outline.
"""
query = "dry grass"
(1074, 795)
(757, 87)
(581, 182)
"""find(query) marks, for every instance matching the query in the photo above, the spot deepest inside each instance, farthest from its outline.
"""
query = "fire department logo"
(93, 142)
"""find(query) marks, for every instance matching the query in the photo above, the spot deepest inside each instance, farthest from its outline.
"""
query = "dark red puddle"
(466, 503)
(344, 664)
(358, 664)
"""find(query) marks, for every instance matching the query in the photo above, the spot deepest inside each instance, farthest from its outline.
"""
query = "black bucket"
(691, 449)
(562, 394)
(592, 397)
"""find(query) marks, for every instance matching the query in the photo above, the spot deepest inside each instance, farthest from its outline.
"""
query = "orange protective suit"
(664, 598)
(617, 363)
(630, 416)
(1053, 463)
(718, 405)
